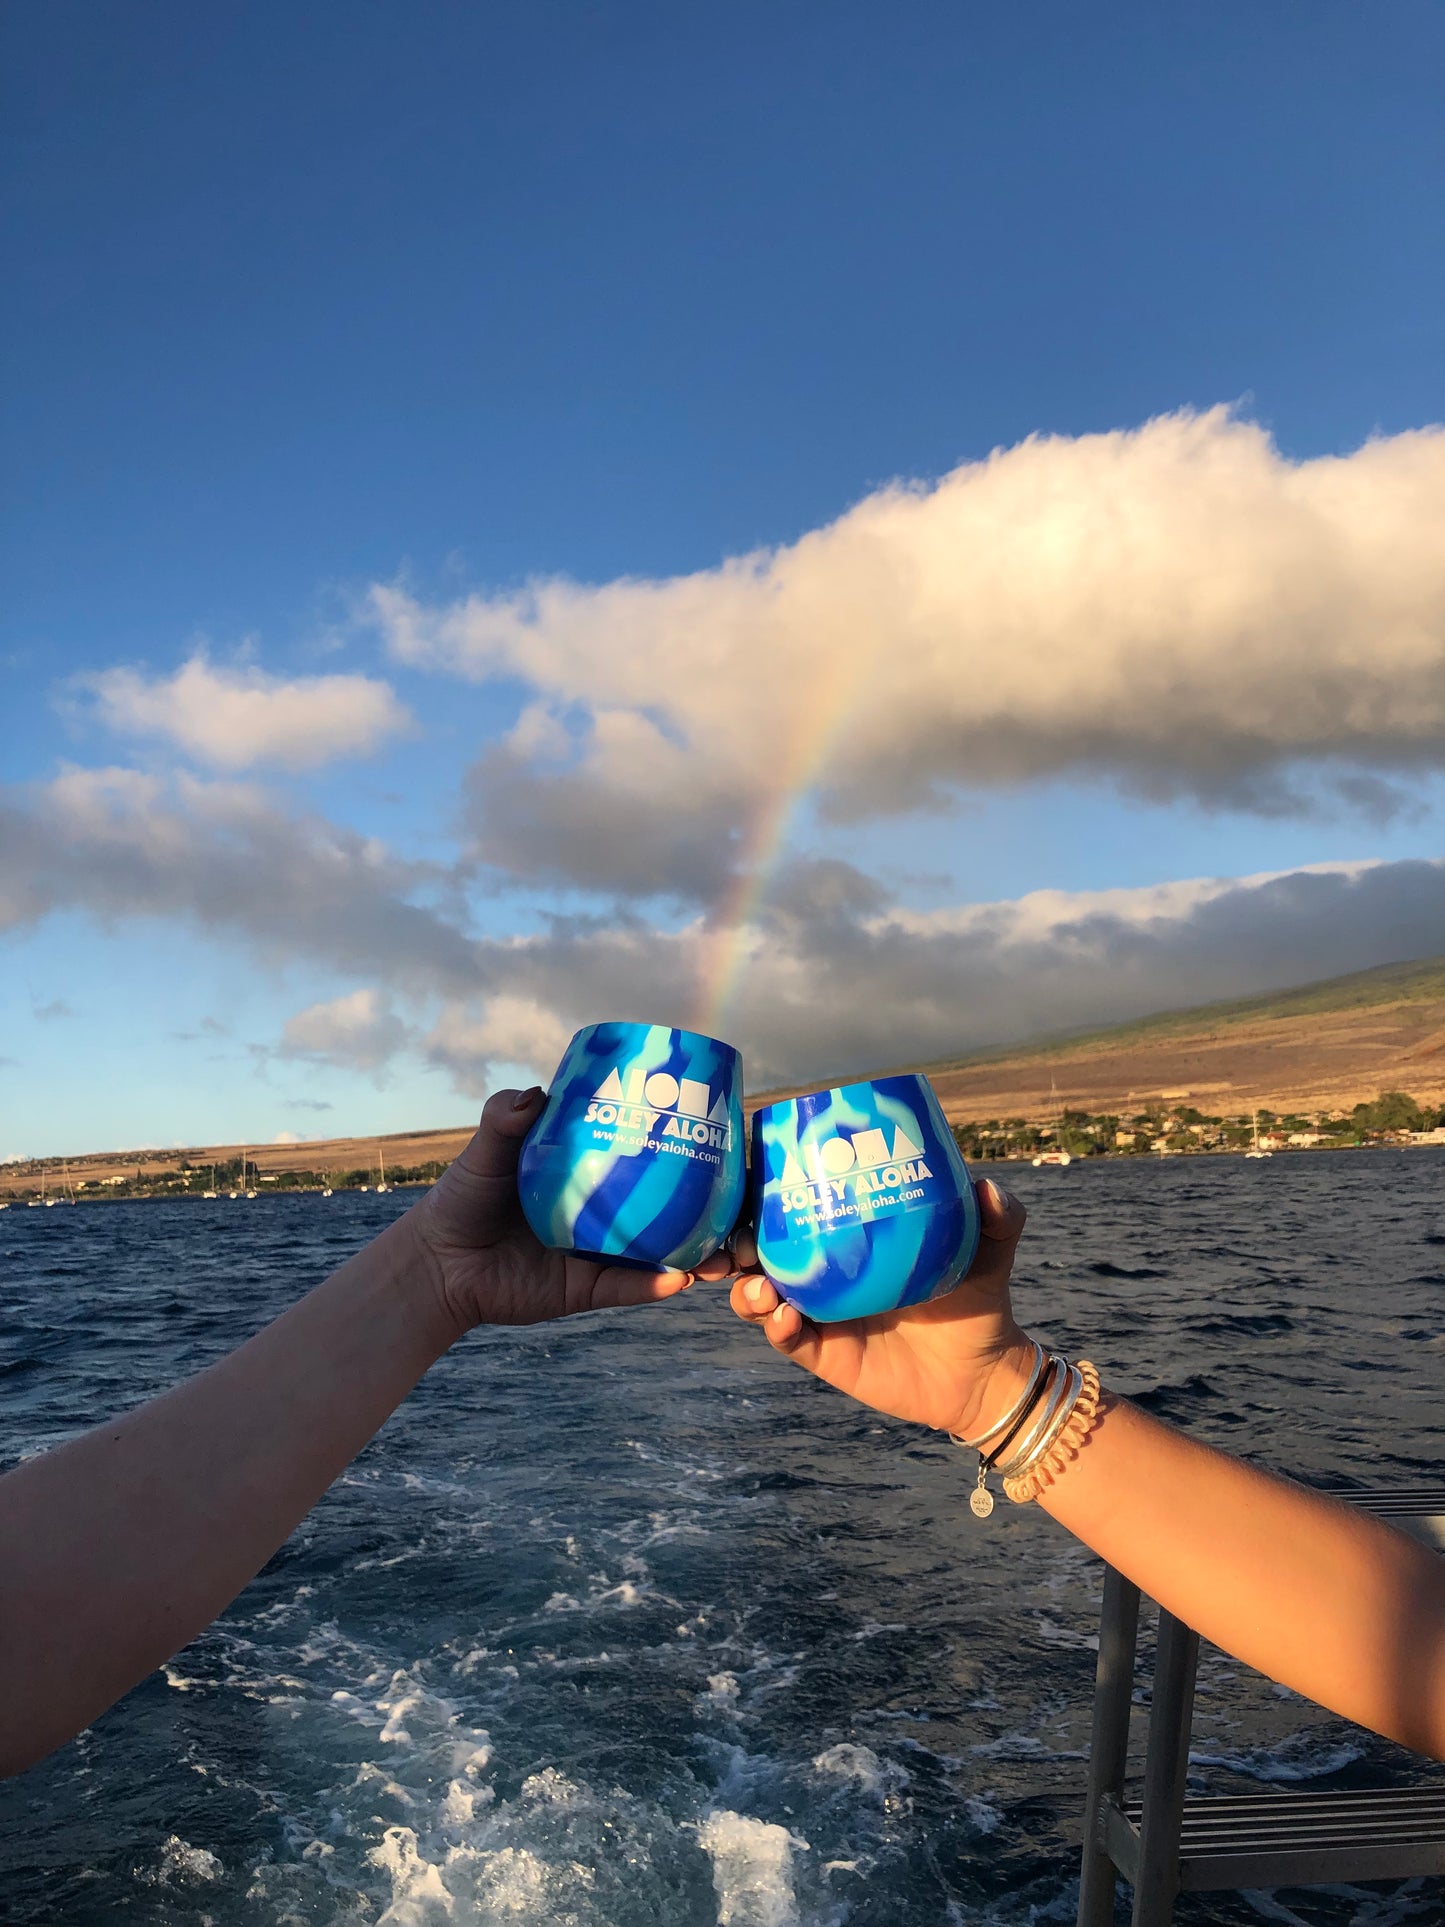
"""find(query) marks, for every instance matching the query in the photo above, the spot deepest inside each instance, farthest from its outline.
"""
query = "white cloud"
(358, 1031)
(226, 857)
(234, 719)
(468, 1040)
(1177, 608)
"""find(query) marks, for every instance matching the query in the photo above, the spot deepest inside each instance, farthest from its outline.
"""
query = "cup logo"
(626, 1114)
(832, 1173)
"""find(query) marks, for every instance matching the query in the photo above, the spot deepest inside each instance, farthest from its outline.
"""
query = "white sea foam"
(721, 1696)
(752, 1869)
(182, 1865)
(1297, 1758)
(984, 1817)
(419, 1894)
(861, 1768)
(518, 1862)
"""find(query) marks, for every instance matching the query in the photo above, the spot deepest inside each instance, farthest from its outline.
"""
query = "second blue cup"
(861, 1200)
(638, 1156)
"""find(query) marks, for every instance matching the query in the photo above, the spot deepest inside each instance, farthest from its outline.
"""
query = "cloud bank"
(237, 719)
(839, 979)
(1178, 609)
(822, 999)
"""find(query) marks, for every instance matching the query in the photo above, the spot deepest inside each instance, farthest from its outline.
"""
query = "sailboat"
(243, 1192)
(212, 1192)
(36, 1204)
(1255, 1152)
(69, 1197)
(1058, 1155)
(381, 1157)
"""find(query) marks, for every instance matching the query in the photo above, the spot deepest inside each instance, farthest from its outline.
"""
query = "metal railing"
(1167, 1842)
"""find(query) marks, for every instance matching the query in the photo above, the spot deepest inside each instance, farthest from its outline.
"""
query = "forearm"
(123, 1544)
(1310, 1591)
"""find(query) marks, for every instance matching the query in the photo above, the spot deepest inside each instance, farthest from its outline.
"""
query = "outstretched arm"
(121, 1545)
(1313, 1592)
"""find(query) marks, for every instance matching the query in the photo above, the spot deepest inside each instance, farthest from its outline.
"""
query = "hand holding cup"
(949, 1362)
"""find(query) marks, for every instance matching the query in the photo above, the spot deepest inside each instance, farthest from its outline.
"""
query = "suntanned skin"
(121, 1545)
(1315, 1593)
(125, 1543)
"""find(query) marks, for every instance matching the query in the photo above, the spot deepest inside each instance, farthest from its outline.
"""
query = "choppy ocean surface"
(626, 1621)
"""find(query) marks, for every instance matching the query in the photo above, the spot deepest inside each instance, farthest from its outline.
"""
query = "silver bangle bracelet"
(1073, 1389)
(1026, 1446)
(1015, 1411)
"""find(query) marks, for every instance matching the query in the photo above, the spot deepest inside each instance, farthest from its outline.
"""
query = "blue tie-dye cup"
(861, 1201)
(638, 1156)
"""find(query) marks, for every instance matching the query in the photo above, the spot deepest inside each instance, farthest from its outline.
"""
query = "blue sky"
(450, 300)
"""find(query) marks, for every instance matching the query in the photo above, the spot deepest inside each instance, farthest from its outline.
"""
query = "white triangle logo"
(610, 1087)
(719, 1112)
(904, 1147)
(793, 1172)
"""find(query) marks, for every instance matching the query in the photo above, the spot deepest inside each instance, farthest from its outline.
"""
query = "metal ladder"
(1167, 1843)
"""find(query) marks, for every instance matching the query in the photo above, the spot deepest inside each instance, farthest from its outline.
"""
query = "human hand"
(954, 1362)
(488, 1265)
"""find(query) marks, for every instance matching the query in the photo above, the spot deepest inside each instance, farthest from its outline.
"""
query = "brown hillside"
(1228, 1059)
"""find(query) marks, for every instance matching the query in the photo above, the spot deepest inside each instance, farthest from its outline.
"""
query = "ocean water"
(624, 1620)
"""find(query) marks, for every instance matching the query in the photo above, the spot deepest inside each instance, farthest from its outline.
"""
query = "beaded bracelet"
(1054, 1459)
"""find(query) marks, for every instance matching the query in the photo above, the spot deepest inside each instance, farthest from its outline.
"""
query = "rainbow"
(724, 944)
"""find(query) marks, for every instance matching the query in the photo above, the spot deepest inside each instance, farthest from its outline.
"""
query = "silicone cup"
(861, 1200)
(638, 1156)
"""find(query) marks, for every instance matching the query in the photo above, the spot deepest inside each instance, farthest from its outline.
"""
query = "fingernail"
(778, 1314)
(753, 1291)
(523, 1100)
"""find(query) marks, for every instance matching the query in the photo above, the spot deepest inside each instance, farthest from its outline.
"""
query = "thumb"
(486, 1171)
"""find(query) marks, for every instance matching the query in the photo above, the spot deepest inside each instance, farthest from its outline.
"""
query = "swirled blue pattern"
(638, 1156)
(861, 1199)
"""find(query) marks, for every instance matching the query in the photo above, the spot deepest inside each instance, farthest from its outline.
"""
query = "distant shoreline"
(221, 1197)
(980, 1165)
